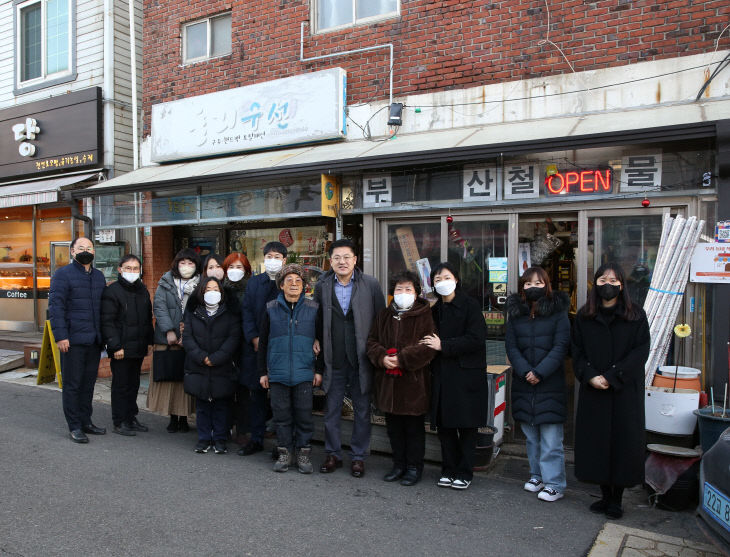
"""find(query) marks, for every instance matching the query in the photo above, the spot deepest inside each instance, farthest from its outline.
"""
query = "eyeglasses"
(130, 269)
(343, 258)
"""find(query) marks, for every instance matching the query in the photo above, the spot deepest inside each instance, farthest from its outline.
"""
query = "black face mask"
(608, 291)
(534, 293)
(84, 257)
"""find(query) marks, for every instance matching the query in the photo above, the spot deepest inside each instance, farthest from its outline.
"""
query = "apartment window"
(207, 38)
(342, 13)
(43, 34)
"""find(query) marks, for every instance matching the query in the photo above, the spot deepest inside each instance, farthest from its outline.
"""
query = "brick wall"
(447, 44)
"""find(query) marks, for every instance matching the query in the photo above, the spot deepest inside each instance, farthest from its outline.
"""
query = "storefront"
(48, 146)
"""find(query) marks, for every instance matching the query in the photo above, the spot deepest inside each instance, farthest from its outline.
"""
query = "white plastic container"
(672, 413)
(682, 372)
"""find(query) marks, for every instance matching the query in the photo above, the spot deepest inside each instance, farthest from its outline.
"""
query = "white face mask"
(212, 297)
(130, 277)
(404, 300)
(446, 287)
(186, 271)
(216, 273)
(234, 275)
(273, 265)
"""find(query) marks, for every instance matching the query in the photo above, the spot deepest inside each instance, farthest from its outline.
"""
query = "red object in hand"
(396, 371)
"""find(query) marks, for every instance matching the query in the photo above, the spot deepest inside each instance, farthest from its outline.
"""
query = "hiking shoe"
(549, 494)
(534, 485)
(283, 461)
(304, 462)
(220, 447)
(460, 484)
(203, 447)
(444, 482)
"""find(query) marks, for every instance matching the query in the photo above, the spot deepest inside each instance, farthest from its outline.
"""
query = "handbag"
(168, 363)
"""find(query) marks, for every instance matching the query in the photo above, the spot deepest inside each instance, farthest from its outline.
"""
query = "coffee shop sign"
(25, 132)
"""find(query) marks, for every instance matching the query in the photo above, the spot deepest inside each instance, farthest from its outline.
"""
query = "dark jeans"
(292, 408)
(360, 441)
(79, 368)
(258, 410)
(458, 446)
(125, 386)
(407, 436)
(211, 419)
(238, 410)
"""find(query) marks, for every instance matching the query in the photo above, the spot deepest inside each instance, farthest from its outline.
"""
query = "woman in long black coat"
(610, 347)
(211, 337)
(537, 342)
(459, 388)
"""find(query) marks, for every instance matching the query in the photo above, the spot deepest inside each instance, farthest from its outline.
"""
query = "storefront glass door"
(412, 246)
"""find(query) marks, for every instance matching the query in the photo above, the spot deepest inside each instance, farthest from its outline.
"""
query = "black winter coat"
(609, 427)
(214, 336)
(538, 344)
(260, 290)
(126, 318)
(459, 388)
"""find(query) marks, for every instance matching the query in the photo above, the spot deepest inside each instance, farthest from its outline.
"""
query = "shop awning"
(35, 192)
(427, 147)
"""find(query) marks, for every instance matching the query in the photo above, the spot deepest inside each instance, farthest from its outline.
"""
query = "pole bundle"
(668, 282)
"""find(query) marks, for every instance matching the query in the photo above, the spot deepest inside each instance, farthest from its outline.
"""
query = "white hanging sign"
(521, 181)
(480, 184)
(377, 190)
(641, 172)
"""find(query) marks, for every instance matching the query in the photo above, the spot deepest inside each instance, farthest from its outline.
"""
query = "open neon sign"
(580, 182)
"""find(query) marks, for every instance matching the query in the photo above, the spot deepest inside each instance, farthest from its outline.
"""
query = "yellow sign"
(49, 364)
(330, 196)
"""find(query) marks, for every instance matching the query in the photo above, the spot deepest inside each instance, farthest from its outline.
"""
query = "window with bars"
(43, 34)
(333, 14)
(207, 38)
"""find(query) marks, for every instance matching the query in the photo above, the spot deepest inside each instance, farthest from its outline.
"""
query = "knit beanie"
(290, 269)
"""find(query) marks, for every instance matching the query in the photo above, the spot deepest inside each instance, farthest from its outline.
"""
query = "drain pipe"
(346, 53)
(133, 77)
(109, 96)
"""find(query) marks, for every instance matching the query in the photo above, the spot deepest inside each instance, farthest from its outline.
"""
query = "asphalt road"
(152, 495)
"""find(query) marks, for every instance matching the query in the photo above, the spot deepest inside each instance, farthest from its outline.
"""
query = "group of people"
(234, 349)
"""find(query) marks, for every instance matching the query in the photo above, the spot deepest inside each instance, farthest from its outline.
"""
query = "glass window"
(44, 40)
(207, 38)
(414, 247)
(478, 250)
(338, 13)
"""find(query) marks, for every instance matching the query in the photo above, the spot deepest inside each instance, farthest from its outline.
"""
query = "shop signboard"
(521, 181)
(51, 136)
(641, 172)
(481, 184)
(377, 191)
(580, 182)
(710, 263)
(330, 196)
(722, 231)
(301, 109)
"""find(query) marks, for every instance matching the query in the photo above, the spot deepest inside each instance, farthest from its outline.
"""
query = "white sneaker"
(549, 494)
(534, 485)
(444, 482)
(460, 484)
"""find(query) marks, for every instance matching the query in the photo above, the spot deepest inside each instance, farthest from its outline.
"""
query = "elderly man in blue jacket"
(74, 306)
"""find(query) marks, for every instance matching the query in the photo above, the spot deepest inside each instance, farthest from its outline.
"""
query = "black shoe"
(137, 426)
(172, 427)
(124, 429)
(250, 448)
(203, 446)
(220, 447)
(614, 510)
(78, 436)
(182, 425)
(396, 473)
(93, 430)
(411, 477)
(599, 507)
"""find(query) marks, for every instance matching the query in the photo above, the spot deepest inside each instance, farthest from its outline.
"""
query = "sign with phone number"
(716, 505)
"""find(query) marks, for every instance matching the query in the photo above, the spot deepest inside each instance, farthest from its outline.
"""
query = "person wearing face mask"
(537, 342)
(460, 390)
(402, 377)
(260, 290)
(211, 337)
(213, 267)
(166, 395)
(237, 269)
(126, 325)
(610, 346)
(74, 309)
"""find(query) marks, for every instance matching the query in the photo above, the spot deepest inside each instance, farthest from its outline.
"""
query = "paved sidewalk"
(617, 540)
